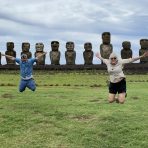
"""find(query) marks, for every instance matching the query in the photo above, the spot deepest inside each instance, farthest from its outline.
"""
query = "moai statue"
(25, 49)
(55, 53)
(126, 52)
(39, 50)
(88, 54)
(70, 54)
(106, 48)
(10, 51)
(144, 48)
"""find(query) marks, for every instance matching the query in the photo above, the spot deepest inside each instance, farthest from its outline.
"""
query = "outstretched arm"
(102, 59)
(99, 56)
(142, 56)
(130, 60)
(8, 56)
(39, 56)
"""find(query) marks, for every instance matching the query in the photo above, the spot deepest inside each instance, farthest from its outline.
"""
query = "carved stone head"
(106, 37)
(88, 46)
(126, 45)
(144, 43)
(10, 46)
(70, 46)
(25, 46)
(39, 47)
(55, 45)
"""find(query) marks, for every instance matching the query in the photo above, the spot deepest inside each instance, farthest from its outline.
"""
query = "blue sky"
(79, 21)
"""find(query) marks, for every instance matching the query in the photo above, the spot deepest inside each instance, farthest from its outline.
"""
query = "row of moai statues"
(106, 49)
(70, 53)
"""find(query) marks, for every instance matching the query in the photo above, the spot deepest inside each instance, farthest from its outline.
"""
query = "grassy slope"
(71, 110)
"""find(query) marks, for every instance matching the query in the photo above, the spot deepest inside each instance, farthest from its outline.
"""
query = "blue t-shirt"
(26, 68)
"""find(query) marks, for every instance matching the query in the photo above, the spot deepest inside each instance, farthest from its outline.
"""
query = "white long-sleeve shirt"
(115, 71)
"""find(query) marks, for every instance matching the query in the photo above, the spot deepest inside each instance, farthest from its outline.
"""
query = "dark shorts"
(119, 87)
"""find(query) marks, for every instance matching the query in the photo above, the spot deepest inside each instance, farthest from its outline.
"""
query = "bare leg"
(111, 98)
(121, 97)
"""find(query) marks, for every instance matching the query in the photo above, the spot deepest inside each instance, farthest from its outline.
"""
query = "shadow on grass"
(99, 100)
(8, 84)
(82, 117)
(96, 100)
(7, 96)
(135, 98)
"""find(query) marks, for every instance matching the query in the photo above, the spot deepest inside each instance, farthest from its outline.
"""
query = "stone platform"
(132, 68)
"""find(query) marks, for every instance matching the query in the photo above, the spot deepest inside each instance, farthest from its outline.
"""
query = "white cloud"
(75, 20)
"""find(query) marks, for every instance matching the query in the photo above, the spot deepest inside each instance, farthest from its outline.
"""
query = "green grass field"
(70, 110)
